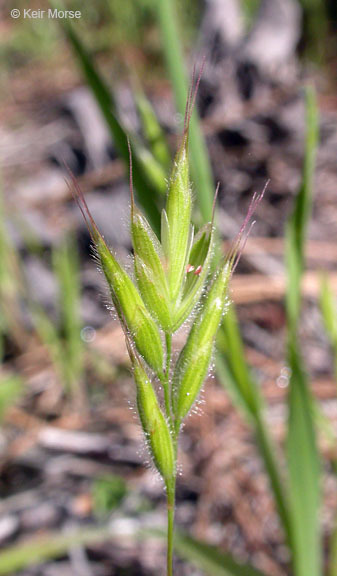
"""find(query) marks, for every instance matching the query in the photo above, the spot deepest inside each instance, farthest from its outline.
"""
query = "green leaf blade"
(302, 451)
(304, 473)
(210, 559)
(146, 173)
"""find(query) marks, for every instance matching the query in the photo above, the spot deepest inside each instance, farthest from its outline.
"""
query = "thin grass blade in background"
(333, 553)
(304, 472)
(232, 369)
(148, 177)
(201, 169)
(11, 287)
(297, 225)
(63, 342)
(315, 28)
(66, 268)
(242, 387)
(211, 560)
(328, 306)
(43, 548)
(303, 458)
(11, 388)
(234, 374)
(152, 130)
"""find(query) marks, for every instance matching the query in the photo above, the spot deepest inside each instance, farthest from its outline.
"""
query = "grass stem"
(166, 382)
(171, 493)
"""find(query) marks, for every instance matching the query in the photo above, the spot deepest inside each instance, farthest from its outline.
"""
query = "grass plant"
(173, 284)
(63, 341)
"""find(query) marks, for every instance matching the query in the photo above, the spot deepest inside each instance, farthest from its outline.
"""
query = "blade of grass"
(303, 459)
(333, 554)
(10, 286)
(328, 308)
(43, 548)
(243, 387)
(245, 390)
(303, 464)
(297, 225)
(315, 28)
(66, 267)
(329, 313)
(210, 559)
(144, 165)
(11, 388)
(49, 336)
(201, 170)
(152, 130)
(235, 376)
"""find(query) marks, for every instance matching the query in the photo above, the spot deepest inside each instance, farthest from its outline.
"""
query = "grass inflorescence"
(175, 278)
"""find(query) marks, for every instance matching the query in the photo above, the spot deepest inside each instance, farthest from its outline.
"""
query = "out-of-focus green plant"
(303, 458)
(149, 177)
(328, 307)
(231, 364)
(296, 493)
(295, 488)
(64, 342)
(11, 389)
(153, 133)
(210, 559)
(315, 29)
(250, 9)
(10, 288)
(42, 548)
(201, 170)
(108, 493)
(171, 275)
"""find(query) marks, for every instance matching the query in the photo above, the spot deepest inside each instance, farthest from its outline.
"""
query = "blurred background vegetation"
(75, 495)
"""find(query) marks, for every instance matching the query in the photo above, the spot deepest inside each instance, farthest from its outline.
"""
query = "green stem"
(171, 497)
(166, 381)
(171, 501)
(171, 486)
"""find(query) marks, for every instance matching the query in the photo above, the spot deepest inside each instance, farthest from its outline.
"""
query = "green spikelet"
(195, 357)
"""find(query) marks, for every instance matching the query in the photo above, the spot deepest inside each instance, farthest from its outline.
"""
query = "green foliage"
(303, 459)
(160, 301)
(297, 495)
(295, 489)
(210, 559)
(328, 307)
(149, 179)
(42, 548)
(333, 551)
(11, 389)
(66, 266)
(153, 133)
(108, 493)
(250, 9)
(64, 342)
(201, 170)
(10, 287)
(235, 376)
(296, 227)
(303, 464)
(315, 28)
